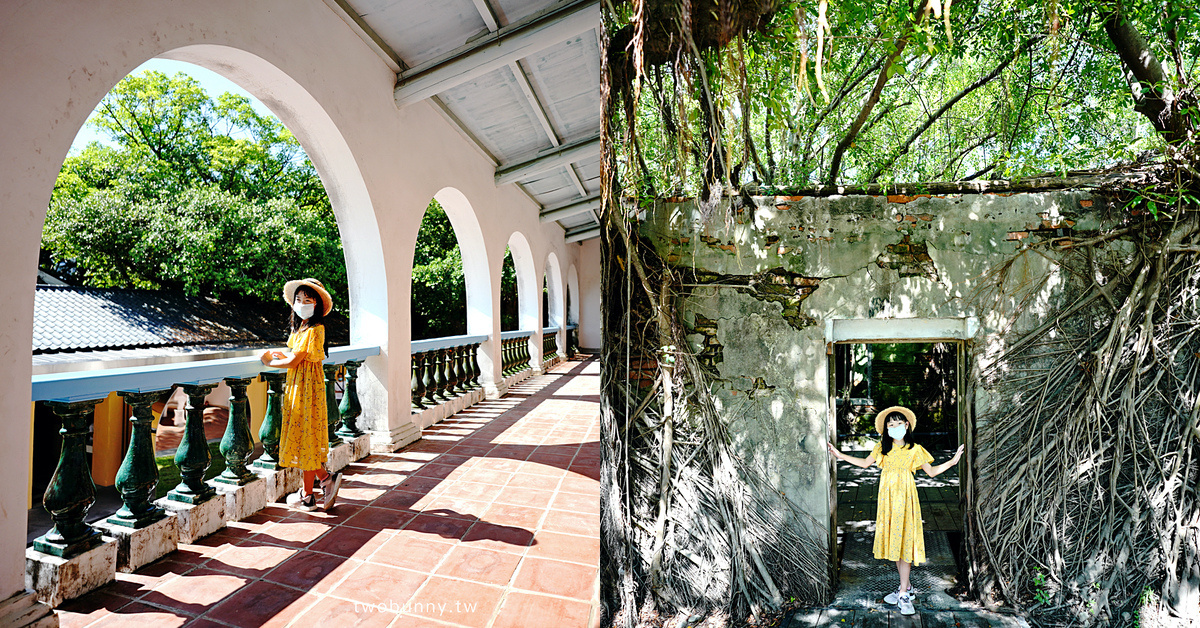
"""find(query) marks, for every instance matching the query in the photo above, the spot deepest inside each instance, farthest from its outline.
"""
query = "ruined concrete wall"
(761, 281)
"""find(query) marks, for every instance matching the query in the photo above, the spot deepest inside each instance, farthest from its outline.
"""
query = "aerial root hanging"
(1086, 473)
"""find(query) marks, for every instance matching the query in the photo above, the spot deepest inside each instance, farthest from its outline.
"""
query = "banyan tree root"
(687, 527)
(1088, 461)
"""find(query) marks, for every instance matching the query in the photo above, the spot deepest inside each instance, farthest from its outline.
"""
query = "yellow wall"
(257, 394)
(107, 447)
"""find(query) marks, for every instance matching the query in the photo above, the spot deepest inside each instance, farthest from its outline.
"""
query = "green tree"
(194, 194)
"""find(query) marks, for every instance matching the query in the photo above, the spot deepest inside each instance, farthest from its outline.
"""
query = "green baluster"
(473, 356)
(331, 408)
(418, 381)
(456, 361)
(440, 372)
(523, 353)
(448, 368)
(506, 356)
(268, 433)
(429, 359)
(71, 492)
(350, 408)
(237, 445)
(193, 457)
(138, 476)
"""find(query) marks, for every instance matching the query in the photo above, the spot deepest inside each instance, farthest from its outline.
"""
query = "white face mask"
(897, 432)
(304, 310)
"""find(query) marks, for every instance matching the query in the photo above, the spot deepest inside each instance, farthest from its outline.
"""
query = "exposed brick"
(903, 198)
(727, 247)
(1017, 235)
(1085, 203)
(926, 217)
(783, 207)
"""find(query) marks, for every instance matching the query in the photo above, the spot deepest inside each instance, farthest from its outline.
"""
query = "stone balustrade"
(549, 345)
(444, 369)
(75, 556)
(514, 349)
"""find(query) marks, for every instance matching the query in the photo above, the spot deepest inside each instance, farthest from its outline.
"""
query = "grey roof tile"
(70, 318)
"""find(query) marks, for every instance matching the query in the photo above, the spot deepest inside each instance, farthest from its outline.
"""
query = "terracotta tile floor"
(492, 519)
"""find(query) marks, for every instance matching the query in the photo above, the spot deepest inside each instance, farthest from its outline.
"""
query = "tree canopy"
(792, 94)
(205, 196)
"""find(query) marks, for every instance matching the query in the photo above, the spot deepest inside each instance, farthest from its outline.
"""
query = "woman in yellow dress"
(899, 536)
(303, 437)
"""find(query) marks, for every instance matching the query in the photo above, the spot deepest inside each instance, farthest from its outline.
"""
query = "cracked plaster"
(772, 370)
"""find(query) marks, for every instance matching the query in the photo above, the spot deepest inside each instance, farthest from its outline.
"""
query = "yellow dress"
(304, 436)
(898, 531)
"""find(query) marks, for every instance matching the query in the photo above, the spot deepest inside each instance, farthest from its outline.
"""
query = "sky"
(214, 84)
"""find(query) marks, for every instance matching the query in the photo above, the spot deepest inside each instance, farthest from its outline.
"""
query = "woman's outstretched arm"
(858, 462)
(942, 468)
(282, 359)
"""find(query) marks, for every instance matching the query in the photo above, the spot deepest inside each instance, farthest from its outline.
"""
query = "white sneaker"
(906, 607)
(300, 501)
(893, 598)
(329, 489)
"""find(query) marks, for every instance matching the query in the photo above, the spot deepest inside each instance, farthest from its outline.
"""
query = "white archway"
(572, 295)
(554, 285)
(528, 290)
(476, 274)
(334, 162)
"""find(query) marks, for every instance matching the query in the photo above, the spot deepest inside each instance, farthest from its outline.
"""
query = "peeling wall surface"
(760, 282)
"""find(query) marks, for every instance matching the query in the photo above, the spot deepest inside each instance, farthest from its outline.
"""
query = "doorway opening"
(926, 376)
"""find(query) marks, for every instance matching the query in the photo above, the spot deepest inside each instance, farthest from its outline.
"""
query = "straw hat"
(908, 414)
(289, 292)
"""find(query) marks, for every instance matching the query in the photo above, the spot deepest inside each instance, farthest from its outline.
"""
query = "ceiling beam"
(579, 235)
(574, 208)
(485, 12)
(496, 50)
(364, 31)
(549, 160)
(534, 102)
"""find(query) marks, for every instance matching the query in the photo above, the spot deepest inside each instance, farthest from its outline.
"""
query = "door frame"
(959, 331)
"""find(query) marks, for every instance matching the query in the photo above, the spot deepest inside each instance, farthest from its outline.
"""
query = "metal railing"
(73, 396)
(444, 368)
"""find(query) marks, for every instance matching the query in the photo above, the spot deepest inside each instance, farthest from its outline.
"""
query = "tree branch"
(983, 80)
(873, 97)
(1152, 96)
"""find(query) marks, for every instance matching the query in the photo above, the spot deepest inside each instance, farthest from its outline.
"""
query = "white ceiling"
(515, 109)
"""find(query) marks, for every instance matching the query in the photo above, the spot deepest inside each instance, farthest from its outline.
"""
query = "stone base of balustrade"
(338, 457)
(513, 380)
(196, 520)
(277, 483)
(385, 442)
(137, 547)
(23, 610)
(245, 500)
(361, 447)
(54, 579)
(435, 414)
